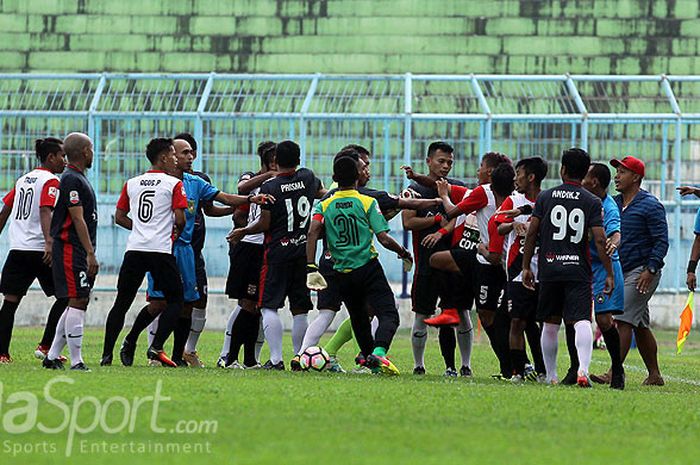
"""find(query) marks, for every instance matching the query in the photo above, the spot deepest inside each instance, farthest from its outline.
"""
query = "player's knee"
(518, 325)
(604, 322)
(487, 317)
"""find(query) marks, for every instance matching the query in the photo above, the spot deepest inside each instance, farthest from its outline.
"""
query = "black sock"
(238, 335)
(143, 319)
(534, 340)
(612, 342)
(571, 346)
(249, 359)
(502, 324)
(498, 334)
(180, 335)
(7, 321)
(448, 343)
(518, 360)
(55, 313)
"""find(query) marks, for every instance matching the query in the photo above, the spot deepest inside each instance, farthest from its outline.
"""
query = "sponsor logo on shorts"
(252, 289)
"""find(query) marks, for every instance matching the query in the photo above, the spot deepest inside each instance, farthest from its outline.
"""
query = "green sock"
(342, 335)
(379, 351)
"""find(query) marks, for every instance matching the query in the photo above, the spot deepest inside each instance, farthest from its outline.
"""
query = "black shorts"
(21, 268)
(571, 300)
(200, 269)
(466, 285)
(69, 266)
(425, 292)
(491, 280)
(522, 302)
(329, 298)
(279, 281)
(245, 266)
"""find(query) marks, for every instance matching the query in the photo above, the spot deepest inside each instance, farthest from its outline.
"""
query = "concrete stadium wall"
(348, 36)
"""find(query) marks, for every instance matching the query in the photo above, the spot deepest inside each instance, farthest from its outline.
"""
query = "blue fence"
(656, 118)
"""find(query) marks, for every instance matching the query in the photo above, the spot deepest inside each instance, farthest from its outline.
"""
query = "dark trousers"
(166, 276)
(368, 286)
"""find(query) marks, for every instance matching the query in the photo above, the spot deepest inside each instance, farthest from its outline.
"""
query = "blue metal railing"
(396, 116)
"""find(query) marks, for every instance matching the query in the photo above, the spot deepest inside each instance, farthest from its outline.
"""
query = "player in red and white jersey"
(157, 203)
(512, 221)
(29, 207)
(483, 202)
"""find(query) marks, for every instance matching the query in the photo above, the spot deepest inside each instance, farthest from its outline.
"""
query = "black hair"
(503, 179)
(576, 161)
(157, 146)
(601, 172)
(345, 171)
(439, 145)
(363, 152)
(347, 152)
(493, 159)
(47, 146)
(264, 146)
(268, 154)
(534, 165)
(288, 154)
(187, 137)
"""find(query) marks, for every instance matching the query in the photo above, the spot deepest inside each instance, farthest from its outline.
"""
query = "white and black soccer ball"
(314, 359)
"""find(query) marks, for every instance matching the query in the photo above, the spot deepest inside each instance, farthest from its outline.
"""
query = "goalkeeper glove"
(314, 280)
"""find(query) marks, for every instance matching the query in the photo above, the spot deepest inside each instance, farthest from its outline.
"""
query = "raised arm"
(246, 186)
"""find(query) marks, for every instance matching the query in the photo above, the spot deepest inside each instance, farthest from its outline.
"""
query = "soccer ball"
(315, 359)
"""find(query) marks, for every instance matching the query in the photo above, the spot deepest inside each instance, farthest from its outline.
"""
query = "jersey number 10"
(562, 220)
(24, 203)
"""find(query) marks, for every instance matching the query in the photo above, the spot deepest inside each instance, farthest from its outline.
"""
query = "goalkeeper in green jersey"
(350, 220)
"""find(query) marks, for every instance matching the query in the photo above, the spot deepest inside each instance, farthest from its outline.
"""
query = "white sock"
(584, 344)
(374, 325)
(300, 323)
(226, 347)
(199, 318)
(75, 319)
(59, 340)
(152, 330)
(465, 338)
(272, 326)
(550, 346)
(419, 337)
(316, 329)
(260, 342)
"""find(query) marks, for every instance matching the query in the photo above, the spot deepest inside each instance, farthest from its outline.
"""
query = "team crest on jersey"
(73, 197)
(190, 206)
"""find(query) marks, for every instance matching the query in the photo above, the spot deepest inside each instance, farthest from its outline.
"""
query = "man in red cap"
(642, 249)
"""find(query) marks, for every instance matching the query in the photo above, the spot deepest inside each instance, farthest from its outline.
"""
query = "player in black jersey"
(286, 225)
(245, 264)
(430, 230)
(561, 221)
(329, 300)
(74, 231)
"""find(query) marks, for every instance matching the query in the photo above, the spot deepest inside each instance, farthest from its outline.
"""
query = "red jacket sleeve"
(476, 200)
(496, 241)
(457, 193)
(9, 199)
(179, 196)
(502, 219)
(123, 202)
(49, 194)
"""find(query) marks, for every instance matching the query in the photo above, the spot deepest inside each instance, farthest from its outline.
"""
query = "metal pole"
(407, 149)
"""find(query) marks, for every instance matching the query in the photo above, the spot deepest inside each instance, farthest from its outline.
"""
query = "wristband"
(311, 267)
(437, 219)
(250, 198)
(443, 232)
(692, 265)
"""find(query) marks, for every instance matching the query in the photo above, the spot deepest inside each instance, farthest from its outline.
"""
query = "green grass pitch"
(318, 418)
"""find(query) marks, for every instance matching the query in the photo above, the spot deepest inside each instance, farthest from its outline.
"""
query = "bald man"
(74, 265)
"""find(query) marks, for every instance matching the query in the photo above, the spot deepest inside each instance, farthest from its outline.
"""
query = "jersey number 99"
(562, 220)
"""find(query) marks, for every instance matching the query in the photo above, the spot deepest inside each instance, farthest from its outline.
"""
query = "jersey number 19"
(303, 209)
